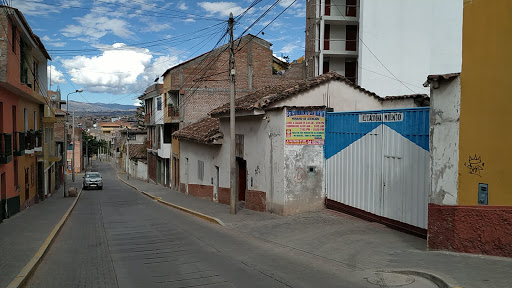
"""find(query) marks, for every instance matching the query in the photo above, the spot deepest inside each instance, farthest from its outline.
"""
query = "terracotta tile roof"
(138, 151)
(264, 97)
(414, 96)
(205, 131)
(437, 77)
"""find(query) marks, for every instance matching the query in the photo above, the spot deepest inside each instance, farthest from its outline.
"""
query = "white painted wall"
(209, 154)
(335, 94)
(444, 142)
(337, 37)
(412, 39)
(272, 165)
(165, 150)
(263, 145)
(141, 170)
(304, 190)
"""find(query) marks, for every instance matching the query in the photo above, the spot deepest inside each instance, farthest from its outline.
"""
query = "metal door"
(378, 161)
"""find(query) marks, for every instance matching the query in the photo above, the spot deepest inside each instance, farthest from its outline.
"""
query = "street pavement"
(349, 241)
(117, 237)
(22, 235)
(121, 238)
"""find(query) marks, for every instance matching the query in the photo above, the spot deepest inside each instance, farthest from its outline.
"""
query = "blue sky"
(114, 49)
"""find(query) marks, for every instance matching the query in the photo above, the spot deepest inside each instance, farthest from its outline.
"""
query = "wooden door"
(27, 184)
(242, 178)
(327, 7)
(3, 197)
(351, 36)
(327, 36)
(351, 8)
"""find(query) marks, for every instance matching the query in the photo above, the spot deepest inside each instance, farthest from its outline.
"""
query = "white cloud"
(183, 6)
(57, 77)
(288, 48)
(35, 8)
(221, 8)
(47, 41)
(120, 69)
(93, 26)
(190, 20)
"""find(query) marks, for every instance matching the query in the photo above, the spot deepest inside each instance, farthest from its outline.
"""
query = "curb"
(195, 213)
(27, 271)
(186, 210)
(437, 280)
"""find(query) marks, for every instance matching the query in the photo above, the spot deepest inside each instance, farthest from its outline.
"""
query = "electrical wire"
(358, 36)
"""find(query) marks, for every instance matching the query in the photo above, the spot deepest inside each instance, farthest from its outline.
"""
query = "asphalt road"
(116, 237)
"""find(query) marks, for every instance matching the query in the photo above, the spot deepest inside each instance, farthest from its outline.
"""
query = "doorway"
(27, 185)
(216, 184)
(351, 36)
(242, 178)
(176, 175)
(3, 198)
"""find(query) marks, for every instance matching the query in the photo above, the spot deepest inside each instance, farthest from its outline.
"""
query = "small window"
(200, 170)
(159, 103)
(13, 42)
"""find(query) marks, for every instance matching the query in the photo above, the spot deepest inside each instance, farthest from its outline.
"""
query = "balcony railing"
(5, 148)
(33, 141)
(18, 143)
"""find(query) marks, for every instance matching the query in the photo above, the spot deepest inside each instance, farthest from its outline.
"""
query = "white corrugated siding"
(382, 172)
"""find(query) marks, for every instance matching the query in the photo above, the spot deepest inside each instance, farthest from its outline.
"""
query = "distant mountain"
(97, 107)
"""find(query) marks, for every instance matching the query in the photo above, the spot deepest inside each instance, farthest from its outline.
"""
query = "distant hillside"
(98, 107)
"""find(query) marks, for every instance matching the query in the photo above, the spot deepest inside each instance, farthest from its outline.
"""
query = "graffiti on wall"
(300, 175)
(475, 165)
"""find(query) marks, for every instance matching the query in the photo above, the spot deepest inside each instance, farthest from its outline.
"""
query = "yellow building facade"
(485, 102)
(470, 207)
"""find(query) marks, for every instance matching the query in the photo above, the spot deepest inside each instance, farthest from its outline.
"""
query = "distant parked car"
(92, 180)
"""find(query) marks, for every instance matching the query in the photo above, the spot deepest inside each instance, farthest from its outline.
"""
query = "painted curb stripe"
(23, 276)
(186, 210)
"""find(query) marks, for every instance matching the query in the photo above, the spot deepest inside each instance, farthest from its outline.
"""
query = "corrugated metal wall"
(378, 161)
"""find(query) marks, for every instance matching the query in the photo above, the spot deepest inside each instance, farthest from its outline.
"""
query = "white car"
(92, 180)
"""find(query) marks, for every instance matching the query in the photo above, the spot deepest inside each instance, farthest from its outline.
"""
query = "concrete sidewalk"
(349, 241)
(24, 234)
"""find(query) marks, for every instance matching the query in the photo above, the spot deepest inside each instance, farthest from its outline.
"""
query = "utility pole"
(127, 155)
(232, 116)
(73, 159)
(65, 152)
(87, 153)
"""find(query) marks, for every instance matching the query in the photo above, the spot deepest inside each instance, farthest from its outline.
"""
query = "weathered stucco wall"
(303, 178)
(444, 142)
(141, 171)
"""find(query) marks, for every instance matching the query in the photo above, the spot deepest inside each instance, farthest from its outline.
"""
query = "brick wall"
(201, 191)
(224, 195)
(204, 80)
(471, 229)
(3, 46)
(256, 200)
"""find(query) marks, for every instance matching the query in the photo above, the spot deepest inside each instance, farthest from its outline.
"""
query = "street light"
(65, 152)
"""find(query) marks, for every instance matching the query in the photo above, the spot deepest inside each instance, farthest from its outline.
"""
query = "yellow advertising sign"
(305, 127)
